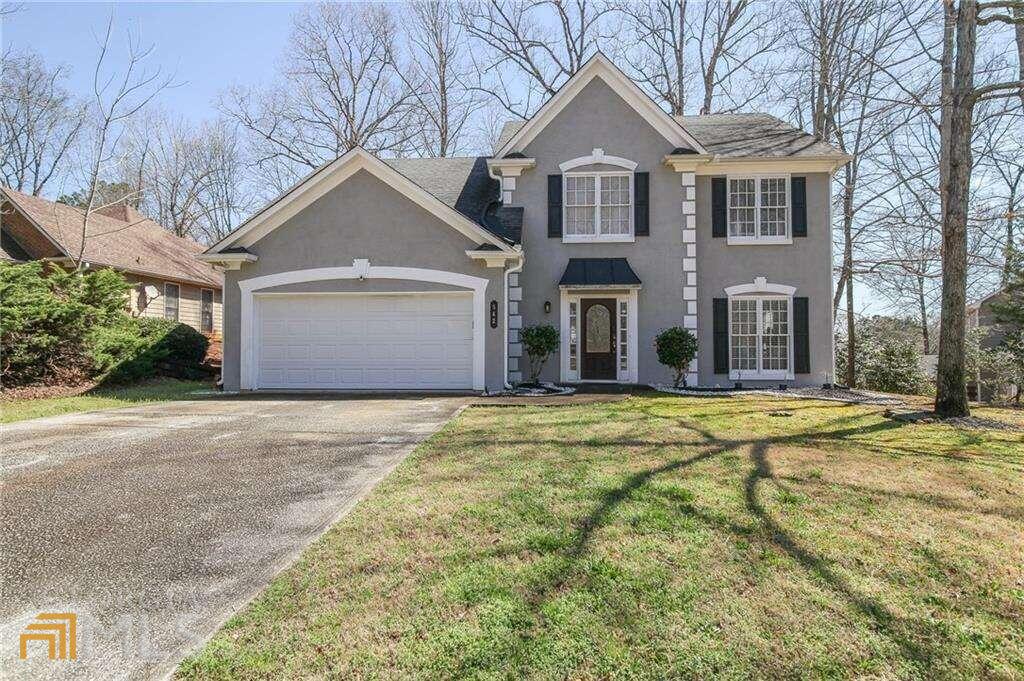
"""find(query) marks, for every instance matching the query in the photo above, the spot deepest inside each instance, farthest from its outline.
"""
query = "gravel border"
(548, 390)
(827, 394)
(970, 422)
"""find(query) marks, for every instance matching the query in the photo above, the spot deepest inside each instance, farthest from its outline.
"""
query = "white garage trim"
(361, 269)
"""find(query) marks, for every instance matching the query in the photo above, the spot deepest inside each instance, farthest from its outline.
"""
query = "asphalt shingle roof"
(141, 247)
(753, 135)
(465, 185)
(748, 135)
(462, 183)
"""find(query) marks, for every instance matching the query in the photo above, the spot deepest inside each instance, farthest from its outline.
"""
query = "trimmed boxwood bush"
(540, 342)
(676, 348)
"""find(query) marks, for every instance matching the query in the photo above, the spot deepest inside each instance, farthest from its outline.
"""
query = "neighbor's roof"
(10, 250)
(142, 247)
(749, 135)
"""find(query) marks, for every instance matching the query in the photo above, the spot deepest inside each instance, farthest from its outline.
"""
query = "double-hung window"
(760, 337)
(759, 210)
(171, 295)
(598, 207)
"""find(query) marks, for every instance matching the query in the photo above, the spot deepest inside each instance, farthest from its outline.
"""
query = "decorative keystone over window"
(361, 267)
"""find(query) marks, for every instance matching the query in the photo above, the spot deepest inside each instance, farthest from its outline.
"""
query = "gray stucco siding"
(362, 218)
(599, 118)
(805, 264)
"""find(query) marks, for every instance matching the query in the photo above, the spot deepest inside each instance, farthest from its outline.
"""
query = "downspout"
(513, 270)
(504, 344)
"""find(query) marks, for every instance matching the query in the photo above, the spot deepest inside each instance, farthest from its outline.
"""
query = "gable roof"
(458, 191)
(11, 250)
(741, 135)
(599, 66)
(141, 247)
(757, 135)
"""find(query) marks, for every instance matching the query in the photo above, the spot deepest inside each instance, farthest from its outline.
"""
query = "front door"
(598, 339)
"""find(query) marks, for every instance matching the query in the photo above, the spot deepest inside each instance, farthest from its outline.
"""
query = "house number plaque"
(494, 314)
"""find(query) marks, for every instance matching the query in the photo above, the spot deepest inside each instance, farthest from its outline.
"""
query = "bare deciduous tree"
(441, 81)
(531, 47)
(848, 56)
(960, 95)
(118, 96)
(39, 121)
(341, 87)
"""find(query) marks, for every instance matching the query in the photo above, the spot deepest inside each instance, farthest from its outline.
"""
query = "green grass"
(662, 538)
(159, 390)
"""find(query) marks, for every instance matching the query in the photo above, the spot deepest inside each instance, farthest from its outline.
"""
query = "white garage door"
(363, 341)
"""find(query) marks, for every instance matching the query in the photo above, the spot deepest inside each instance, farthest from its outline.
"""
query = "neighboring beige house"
(169, 281)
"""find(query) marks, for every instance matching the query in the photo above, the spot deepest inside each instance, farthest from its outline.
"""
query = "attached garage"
(357, 341)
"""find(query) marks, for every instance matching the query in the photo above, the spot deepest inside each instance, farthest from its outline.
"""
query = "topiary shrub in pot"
(676, 348)
(540, 342)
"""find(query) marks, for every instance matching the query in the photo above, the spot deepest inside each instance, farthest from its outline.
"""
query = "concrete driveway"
(153, 524)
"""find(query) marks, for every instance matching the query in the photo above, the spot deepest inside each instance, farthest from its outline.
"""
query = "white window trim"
(757, 239)
(213, 309)
(630, 297)
(744, 292)
(177, 301)
(597, 236)
(361, 269)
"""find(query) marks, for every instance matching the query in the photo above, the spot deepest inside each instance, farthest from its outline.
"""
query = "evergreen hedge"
(61, 327)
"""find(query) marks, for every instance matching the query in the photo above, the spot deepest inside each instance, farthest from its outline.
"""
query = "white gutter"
(504, 344)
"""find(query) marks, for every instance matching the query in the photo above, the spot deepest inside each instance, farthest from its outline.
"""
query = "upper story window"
(598, 206)
(759, 210)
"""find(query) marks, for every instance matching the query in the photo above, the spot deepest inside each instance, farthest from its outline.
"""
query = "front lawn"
(157, 390)
(661, 538)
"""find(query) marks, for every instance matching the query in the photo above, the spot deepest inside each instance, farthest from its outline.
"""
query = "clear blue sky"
(208, 46)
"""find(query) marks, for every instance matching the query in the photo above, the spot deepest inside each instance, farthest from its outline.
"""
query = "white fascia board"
(493, 258)
(509, 167)
(229, 261)
(788, 164)
(327, 178)
(600, 66)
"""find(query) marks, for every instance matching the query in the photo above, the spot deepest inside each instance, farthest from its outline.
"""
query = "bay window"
(758, 209)
(760, 337)
(598, 207)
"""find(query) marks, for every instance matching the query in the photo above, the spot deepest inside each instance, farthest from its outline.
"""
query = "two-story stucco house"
(602, 215)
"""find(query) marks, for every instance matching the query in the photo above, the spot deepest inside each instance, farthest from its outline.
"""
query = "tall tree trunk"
(851, 327)
(922, 309)
(951, 398)
(679, 105)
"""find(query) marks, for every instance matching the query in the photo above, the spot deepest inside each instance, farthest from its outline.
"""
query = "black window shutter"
(801, 337)
(798, 197)
(555, 206)
(641, 204)
(720, 320)
(719, 205)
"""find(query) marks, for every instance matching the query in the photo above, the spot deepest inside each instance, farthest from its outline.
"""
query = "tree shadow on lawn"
(919, 640)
